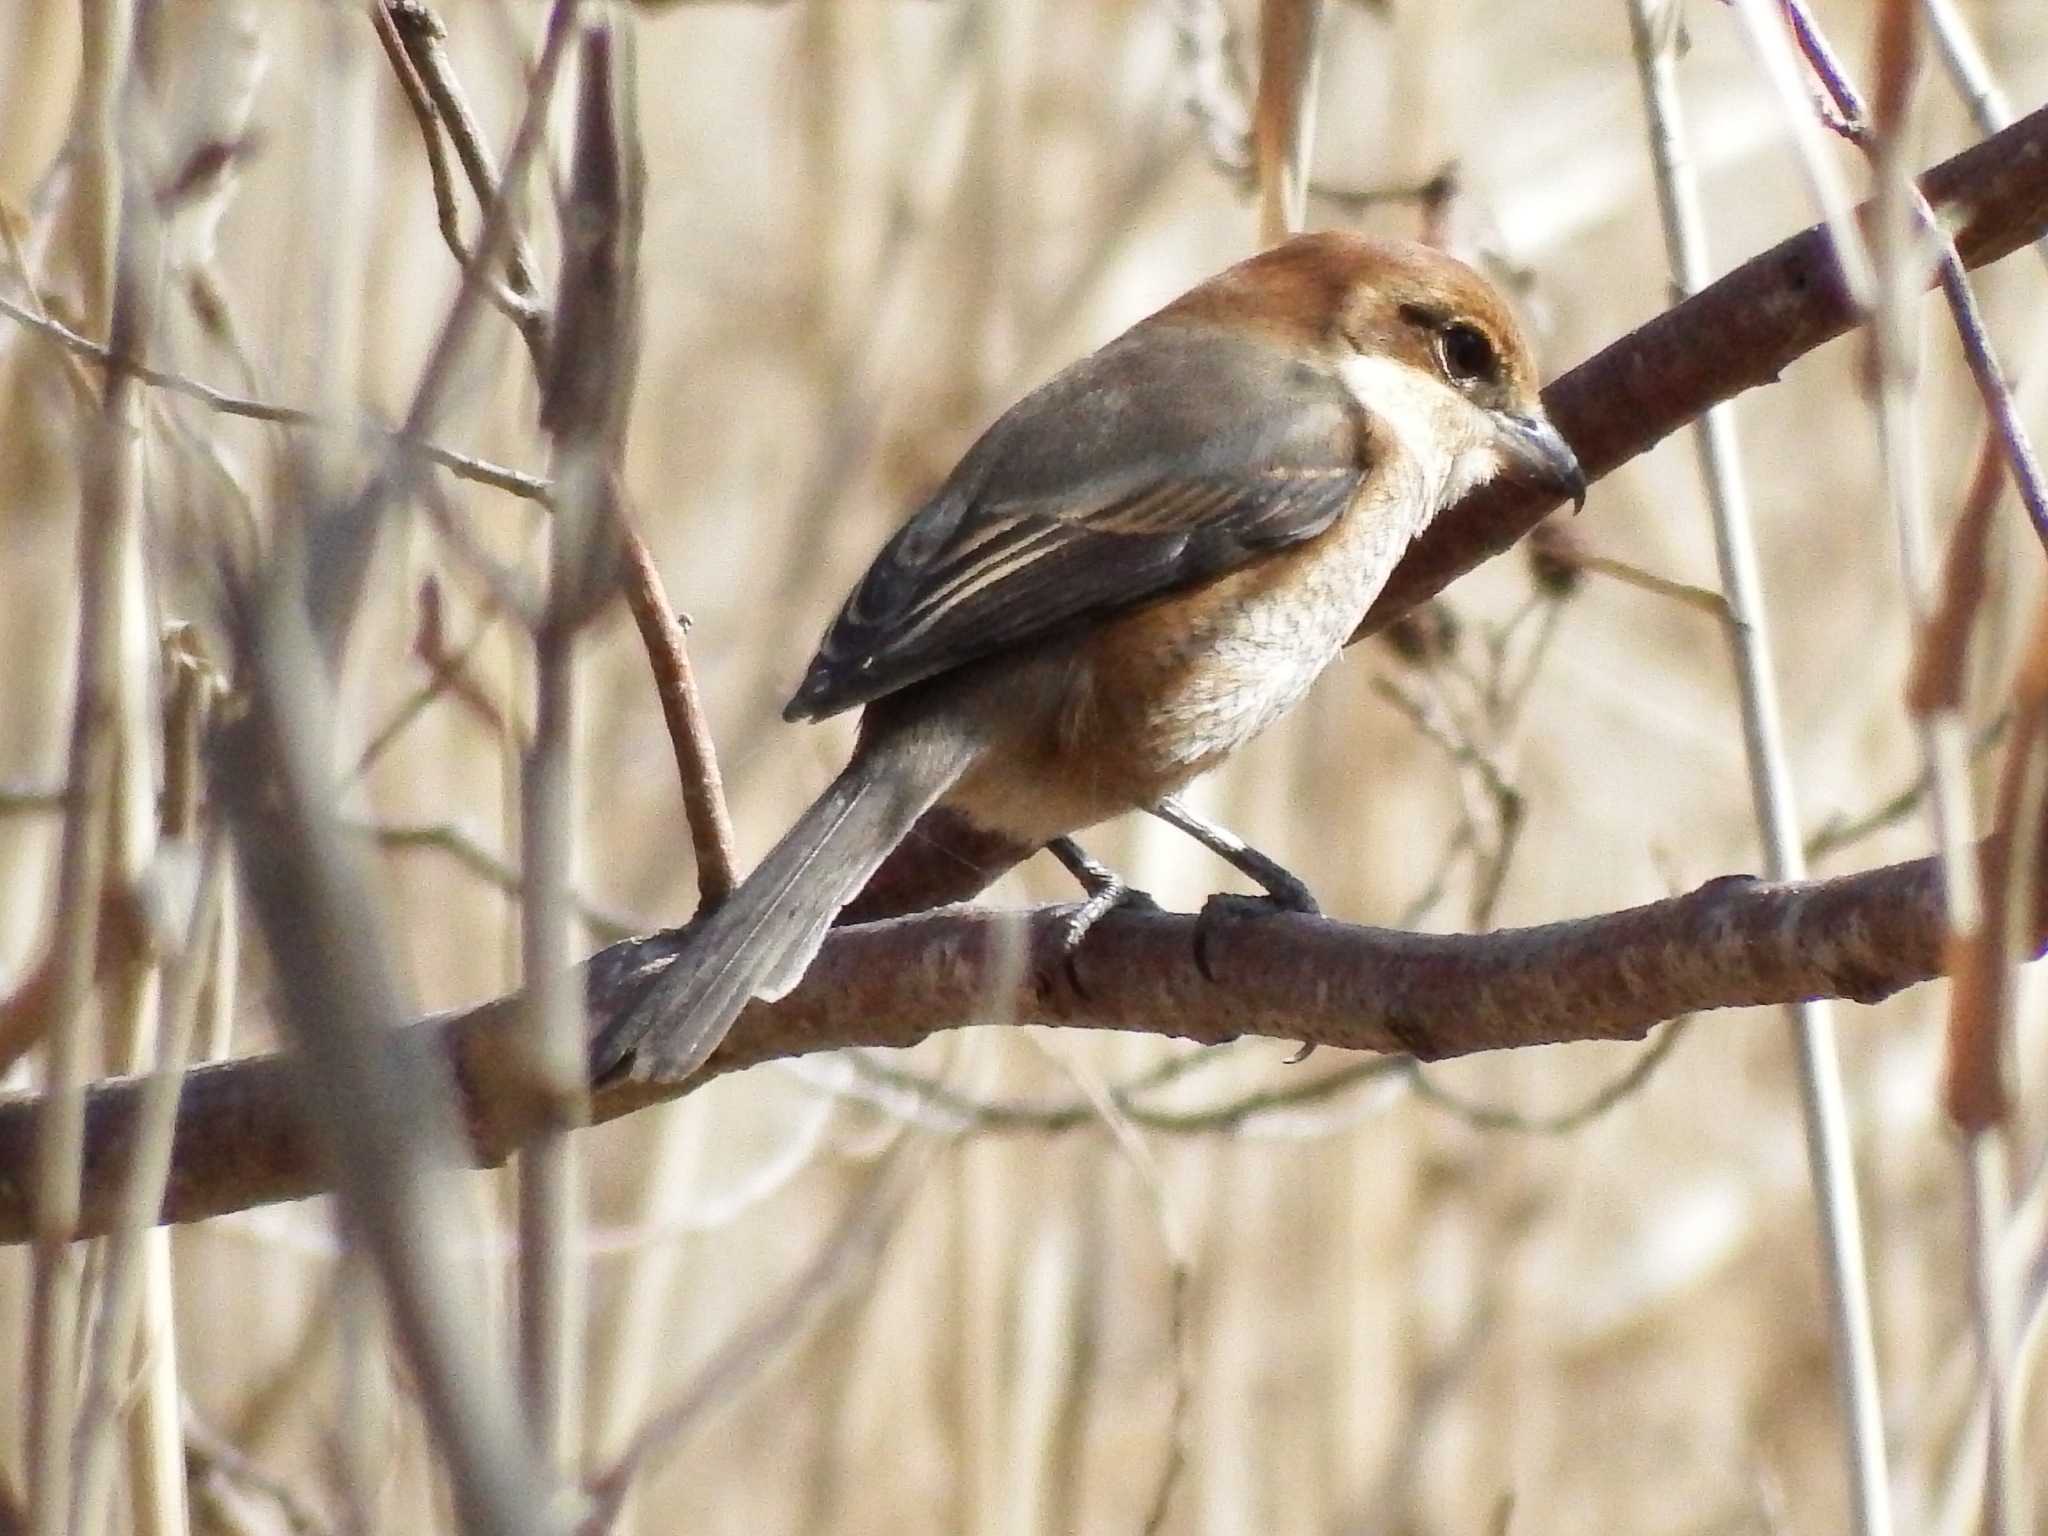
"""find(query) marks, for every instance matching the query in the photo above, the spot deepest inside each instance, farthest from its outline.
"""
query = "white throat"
(1447, 440)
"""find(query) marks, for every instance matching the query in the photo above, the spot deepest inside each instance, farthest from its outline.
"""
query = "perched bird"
(1138, 568)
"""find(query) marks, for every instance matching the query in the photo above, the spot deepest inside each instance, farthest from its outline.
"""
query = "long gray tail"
(762, 938)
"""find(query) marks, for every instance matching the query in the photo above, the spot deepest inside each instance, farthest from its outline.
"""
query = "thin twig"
(464, 466)
(472, 855)
(1213, 86)
(448, 673)
(1906, 232)
(689, 731)
(1972, 74)
(1842, 830)
(586, 380)
(940, 1106)
(211, 1457)
(380, 1114)
(109, 556)
(852, 1249)
(427, 117)
(1490, 1117)
(1179, 1277)
(1283, 116)
(1978, 352)
(421, 37)
(348, 534)
(1830, 1156)
(121, 1306)
(32, 799)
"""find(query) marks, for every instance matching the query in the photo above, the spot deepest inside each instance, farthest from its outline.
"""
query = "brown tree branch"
(682, 709)
(1734, 942)
(1730, 336)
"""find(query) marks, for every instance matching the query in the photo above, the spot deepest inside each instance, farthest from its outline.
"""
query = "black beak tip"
(1546, 460)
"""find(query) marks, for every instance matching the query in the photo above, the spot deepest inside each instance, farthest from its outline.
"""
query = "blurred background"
(945, 1296)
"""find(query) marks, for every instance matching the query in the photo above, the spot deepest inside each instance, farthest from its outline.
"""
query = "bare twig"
(462, 465)
(380, 1111)
(1283, 117)
(347, 536)
(141, 1198)
(850, 1251)
(1569, 553)
(414, 39)
(31, 799)
(449, 673)
(1879, 140)
(1830, 1159)
(689, 732)
(474, 857)
(427, 117)
(1906, 234)
(1966, 64)
(1975, 1088)
(586, 387)
(1842, 830)
(134, 1353)
(1213, 83)
(110, 617)
(1179, 1273)
(1489, 1117)
(942, 1107)
(211, 1457)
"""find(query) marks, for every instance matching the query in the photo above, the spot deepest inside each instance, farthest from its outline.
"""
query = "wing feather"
(1157, 462)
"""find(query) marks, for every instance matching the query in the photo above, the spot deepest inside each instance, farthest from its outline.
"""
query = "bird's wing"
(1149, 466)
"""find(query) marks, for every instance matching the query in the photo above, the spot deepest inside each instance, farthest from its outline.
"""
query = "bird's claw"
(1233, 906)
(1103, 900)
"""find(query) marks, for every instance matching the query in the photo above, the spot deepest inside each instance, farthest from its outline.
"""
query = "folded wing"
(1160, 461)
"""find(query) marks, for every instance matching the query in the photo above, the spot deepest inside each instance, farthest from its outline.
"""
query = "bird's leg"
(1106, 890)
(1285, 891)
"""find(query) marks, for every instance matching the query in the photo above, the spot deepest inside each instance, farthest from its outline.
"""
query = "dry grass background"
(870, 225)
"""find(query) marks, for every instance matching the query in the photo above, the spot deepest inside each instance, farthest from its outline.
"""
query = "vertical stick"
(109, 523)
(1829, 1156)
(550, 1180)
(1283, 119)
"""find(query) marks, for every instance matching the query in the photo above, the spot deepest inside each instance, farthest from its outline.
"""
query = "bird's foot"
(1105, 897)
(1227, 907)
(1286, 894)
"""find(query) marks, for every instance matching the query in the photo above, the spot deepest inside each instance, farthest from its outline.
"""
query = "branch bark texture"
(1734, 942)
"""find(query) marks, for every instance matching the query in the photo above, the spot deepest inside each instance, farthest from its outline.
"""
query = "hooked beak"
(1538, 455)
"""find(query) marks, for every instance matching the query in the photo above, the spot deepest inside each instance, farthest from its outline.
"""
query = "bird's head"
(1425, 344)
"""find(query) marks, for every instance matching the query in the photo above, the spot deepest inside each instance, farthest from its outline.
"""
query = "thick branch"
(1731, 336)
(1734, 942)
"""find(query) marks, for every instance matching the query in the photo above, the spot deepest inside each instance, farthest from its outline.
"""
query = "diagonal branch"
(1733, 335)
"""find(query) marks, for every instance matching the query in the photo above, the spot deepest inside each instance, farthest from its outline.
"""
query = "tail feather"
(762, 938)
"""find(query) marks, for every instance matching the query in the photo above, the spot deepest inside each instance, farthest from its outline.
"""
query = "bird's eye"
(1466, 353)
